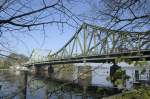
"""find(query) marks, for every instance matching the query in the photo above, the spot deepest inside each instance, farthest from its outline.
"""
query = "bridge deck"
(132, 56)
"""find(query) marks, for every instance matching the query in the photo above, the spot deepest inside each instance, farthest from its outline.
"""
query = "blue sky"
(53, 39)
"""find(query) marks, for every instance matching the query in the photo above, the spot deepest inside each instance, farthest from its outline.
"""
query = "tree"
(24, 14)
(19, 16)
(126, 15)
(15, 59)
(119, 78)
(123, 14)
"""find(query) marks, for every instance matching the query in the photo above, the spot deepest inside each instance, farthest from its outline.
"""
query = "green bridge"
(92, 43)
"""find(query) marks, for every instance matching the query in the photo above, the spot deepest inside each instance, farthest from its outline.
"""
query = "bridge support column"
(114, 68)
(42, 70)
(50, 69)
(47, 68)
(33, 68)
(84, 77)
(116, 76)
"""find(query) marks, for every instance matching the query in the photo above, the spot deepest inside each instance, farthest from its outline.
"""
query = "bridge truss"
(92, 42)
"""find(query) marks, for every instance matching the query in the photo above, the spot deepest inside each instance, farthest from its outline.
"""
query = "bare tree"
(127, 15)
(133, 15)
(27, 15)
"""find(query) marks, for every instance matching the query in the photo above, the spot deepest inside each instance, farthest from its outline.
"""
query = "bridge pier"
(50, 69)
(114, 68)
(47, 69)
(84, 78)
(43, 68)
(118, 76)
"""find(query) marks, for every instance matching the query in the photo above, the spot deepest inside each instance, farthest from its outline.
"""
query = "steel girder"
(91, 40)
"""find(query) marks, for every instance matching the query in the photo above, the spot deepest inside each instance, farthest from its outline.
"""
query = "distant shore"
(4, 68)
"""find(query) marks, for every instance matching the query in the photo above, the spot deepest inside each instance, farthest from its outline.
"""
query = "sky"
(52, 39)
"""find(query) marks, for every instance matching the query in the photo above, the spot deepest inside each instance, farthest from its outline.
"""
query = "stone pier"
(47, 69)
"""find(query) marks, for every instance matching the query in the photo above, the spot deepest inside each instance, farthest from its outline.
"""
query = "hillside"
(12, 59)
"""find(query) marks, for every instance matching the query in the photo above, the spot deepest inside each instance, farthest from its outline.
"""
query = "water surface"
(25, 85)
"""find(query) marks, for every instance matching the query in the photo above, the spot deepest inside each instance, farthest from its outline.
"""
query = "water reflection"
(26, 85)
(62, 83)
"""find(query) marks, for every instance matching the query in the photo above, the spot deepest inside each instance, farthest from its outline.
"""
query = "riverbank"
(4, 69)
(139, 93)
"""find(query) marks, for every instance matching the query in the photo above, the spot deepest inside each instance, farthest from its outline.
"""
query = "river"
(64, 83)
(26, 85)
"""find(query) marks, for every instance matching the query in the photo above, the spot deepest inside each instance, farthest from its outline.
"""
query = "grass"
(138, 93)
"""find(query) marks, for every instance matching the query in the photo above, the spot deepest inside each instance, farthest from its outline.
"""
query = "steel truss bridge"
(92, 43)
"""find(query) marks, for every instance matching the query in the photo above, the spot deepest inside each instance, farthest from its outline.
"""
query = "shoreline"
(5, 69)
